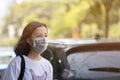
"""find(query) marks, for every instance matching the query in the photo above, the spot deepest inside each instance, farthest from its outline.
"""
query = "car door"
(97, 61)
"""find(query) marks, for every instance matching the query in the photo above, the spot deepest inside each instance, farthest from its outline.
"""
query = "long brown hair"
(22, 47)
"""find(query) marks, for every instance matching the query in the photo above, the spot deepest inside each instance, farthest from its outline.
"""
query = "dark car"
(98, 60)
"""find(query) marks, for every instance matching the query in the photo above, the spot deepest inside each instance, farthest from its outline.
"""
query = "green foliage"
(29, 18)
(114, 31)
(62, 16)
(89, 30)
(8, 41)
(76, 14)
(57, 23)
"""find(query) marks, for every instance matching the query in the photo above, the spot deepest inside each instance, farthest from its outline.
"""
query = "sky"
(4, 7)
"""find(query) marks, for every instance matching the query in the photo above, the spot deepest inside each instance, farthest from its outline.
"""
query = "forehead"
(40, 30)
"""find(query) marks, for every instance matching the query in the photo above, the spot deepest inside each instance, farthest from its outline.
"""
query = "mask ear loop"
(34, 43)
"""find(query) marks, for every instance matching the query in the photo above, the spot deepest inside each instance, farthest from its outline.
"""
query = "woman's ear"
(29, 42)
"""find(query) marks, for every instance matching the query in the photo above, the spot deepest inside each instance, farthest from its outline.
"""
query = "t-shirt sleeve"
(13, 70)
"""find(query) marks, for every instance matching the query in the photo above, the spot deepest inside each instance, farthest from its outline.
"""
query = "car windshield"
(95, 64)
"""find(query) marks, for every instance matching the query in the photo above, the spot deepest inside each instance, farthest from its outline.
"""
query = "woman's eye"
(38, 36)
(41, 36)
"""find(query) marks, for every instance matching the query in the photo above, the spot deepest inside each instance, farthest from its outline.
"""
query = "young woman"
(31, 45)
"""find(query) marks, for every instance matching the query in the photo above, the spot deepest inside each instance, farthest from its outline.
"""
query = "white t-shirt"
(34, 70)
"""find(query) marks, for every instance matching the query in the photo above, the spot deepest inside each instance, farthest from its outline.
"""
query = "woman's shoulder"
(15, 63)
(47, 64)
(45, 61)
(16, 60)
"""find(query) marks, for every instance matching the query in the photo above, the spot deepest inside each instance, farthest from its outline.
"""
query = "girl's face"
(39, 32)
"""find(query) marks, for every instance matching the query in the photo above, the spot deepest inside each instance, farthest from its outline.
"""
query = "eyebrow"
(41, 34)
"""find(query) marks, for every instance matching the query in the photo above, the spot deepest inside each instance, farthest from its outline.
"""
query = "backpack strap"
(22, 70)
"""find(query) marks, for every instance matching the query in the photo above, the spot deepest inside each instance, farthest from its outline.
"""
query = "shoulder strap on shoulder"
(22, 68)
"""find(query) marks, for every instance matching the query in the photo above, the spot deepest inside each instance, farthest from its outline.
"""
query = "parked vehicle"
(98, 60)
(78, 59)
(6, 55)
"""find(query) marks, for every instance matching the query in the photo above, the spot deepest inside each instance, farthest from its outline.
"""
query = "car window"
(6, 55)
(5, 59)
(95, 64)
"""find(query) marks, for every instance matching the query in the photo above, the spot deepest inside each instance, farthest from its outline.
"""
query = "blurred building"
(4, 10)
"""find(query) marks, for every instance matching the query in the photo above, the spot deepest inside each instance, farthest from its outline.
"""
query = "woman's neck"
(33, 55)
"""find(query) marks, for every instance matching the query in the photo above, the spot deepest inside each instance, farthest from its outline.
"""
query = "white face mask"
(40, 44)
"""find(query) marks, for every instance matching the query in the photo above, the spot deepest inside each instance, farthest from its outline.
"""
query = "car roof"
(69, 43)
(80, 41)
(95, 47)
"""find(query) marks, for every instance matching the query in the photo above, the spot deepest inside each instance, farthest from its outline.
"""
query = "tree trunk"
(108, 5)
(106, 23)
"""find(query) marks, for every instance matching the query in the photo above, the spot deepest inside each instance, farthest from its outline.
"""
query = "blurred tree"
(89, 30)
(104, 13)
(66, 18)
(114, 31)
(108, 5)
(36, 11)
(76, 15)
